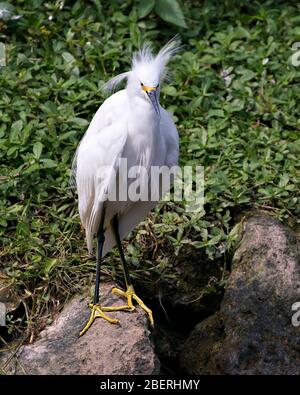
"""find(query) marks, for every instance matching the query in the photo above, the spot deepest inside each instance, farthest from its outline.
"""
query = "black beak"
(153, 97)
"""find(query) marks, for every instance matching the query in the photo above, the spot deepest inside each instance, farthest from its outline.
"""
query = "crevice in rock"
(173, 325)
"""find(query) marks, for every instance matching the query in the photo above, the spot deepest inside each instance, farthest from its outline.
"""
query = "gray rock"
(253, 332)
(124, 348)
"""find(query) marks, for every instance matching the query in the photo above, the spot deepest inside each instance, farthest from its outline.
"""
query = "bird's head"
(147, 73)
(145, 78)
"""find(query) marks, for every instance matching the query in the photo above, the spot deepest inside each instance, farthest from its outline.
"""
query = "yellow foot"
(131, 295)
(98, 311)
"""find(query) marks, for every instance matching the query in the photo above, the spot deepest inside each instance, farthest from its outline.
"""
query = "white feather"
(113, 83)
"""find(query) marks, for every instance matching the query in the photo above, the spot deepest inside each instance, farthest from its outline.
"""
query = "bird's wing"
(97, 162)
(111, 109)
(170, 133)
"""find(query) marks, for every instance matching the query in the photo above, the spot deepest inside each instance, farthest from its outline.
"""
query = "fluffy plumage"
(125, 126)
(145, 62)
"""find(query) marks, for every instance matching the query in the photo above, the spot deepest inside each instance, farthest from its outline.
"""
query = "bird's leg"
(129, 294)
(97, 309)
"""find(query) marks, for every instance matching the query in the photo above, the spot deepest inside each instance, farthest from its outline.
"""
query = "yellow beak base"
(148, 88)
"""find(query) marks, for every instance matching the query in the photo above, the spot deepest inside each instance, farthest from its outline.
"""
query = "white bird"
(131, 125)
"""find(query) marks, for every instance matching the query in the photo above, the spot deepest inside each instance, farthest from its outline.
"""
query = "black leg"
(115, 226)
(100, 239)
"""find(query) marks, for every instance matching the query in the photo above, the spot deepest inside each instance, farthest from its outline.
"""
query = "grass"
(234, 97)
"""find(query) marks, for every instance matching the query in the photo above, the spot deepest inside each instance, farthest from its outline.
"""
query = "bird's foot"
(131, 295)
(98, 311)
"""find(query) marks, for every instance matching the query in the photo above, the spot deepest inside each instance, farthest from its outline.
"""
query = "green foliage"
(6, 11)
(234, 97)
(168, 10)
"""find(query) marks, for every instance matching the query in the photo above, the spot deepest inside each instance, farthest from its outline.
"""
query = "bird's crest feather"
(144, 57)
(114, 82)
(167, 52)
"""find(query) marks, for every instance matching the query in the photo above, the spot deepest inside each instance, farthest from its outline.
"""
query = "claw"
(131, 295)
(98, 311)
(125, 294)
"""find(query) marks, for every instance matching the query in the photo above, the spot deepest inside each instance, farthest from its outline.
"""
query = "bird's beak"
(153, 96)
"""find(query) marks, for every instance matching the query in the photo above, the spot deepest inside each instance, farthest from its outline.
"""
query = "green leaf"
(49, 264)
(69, 58)
(241, 32)
(67, 135)
(170, 90)
(216, 113)
(32, 168)
(145, 7)
(48, 163)
(16, 128)
(79, 121)
(98, 5)
(70, 62)
(284, 179)
(37, 149)
(170, 11)
(12, 150)
(296, 30)
(247, 75)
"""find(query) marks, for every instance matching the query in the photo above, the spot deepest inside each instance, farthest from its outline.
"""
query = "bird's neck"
(144, 114)
(143, 129)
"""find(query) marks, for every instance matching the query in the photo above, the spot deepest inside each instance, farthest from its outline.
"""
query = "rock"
(104, 349)
(198, 355)
(191, 282)
(253, 332)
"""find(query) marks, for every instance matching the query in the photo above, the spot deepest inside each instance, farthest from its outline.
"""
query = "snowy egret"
(131, 125)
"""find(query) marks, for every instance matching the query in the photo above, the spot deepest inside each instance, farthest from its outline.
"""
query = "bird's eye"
(142, 84)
